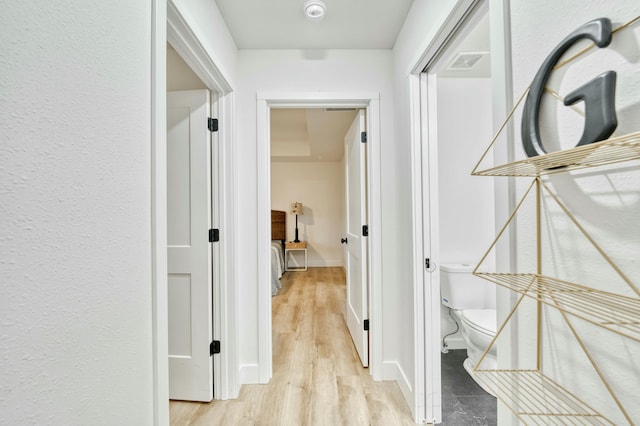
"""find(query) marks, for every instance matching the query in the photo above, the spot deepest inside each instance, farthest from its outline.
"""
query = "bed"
(278, 237)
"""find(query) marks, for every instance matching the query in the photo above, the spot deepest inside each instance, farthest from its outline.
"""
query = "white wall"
(466, 203)
(303, 71)
(319, 186)
(604, 200)
(75, 205)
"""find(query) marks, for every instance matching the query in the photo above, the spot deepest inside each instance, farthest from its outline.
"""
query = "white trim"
(169, 25)
(371, 102)
(458, 15)
(249, 373)
(185, 42)
(418, 399)
(502, 98)
(424, 177)
(158, 142)
(182, 37)
(393, 371)
(431, 220)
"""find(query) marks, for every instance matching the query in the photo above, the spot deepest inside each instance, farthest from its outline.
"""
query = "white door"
(356, 218)
(431, 248)
(189, 250)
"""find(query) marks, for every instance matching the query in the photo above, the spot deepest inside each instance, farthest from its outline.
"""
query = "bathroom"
(466, 229)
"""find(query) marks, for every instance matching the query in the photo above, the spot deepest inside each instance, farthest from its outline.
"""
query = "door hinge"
(366, 325)
(363, 137)
(365, 230)
(214, 235)
(427, 263)
(214, 347)
(212, 124)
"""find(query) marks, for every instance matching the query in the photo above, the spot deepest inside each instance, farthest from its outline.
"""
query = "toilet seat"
(481, 320)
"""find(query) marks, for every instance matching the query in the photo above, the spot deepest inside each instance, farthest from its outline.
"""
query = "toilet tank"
(460, 289)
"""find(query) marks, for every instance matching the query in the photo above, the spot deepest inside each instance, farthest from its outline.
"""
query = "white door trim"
(169, 25)
(371, 102)
(158, 142)
(426, 295)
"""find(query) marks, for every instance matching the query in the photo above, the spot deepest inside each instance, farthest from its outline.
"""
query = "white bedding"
(277, 266)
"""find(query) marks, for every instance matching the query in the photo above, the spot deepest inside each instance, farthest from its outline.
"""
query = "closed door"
(189, 250)
(356, 209)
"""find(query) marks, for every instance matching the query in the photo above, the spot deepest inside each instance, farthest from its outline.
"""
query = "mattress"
(277, 266)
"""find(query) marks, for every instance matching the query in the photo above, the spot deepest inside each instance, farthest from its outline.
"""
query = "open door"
(356, 217)
(189, 250)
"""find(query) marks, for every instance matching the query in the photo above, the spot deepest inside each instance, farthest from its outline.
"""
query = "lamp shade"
(296, 208)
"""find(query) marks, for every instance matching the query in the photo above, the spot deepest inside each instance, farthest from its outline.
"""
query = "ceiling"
(311, 134)
(315, 134)
(281, 24)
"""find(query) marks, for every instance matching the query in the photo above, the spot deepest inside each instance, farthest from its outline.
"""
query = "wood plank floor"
(317, 376)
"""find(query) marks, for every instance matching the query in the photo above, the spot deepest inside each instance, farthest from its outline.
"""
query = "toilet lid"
(483, 320)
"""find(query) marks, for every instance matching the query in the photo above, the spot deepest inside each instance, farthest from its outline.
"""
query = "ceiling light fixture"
(314, 10)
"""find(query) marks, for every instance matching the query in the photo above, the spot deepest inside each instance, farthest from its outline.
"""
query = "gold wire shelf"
(536, 399)
(620, 314)
(614, 150)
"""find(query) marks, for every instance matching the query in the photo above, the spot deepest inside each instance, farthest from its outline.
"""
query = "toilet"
(473, 302)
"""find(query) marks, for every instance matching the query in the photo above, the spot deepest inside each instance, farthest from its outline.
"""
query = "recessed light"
(314, 10)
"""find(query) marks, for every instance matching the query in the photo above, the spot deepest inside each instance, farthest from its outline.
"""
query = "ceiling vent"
(466, 60)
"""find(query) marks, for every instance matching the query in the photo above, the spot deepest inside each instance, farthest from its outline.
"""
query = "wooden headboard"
(278, 225)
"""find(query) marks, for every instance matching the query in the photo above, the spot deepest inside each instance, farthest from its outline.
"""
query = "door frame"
(371, 103)
(168, 25)
(428, 393)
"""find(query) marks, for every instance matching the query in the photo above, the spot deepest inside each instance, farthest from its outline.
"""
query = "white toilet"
(473, 301)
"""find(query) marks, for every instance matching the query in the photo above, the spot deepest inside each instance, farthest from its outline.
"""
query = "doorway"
(370, 104)
(454, 120)
(318, 183)
(459, 84)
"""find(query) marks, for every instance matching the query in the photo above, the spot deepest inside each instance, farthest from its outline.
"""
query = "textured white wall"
(604, 200)
(75, 309)
(303, 71)
(319, 186)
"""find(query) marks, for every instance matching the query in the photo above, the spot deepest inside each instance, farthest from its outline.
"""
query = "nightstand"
(289, 248)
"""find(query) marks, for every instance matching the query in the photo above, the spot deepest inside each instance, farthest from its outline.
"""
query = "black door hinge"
(365, 230)
(214, 347)
(363, 137)
(212, 124)
(427, 263)
(214, 235)
(366, 325)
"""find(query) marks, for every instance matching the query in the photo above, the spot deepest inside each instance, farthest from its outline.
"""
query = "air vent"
(466, 60)
(338, 109)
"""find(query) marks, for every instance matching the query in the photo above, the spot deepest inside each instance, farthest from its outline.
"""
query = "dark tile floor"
(464, 403)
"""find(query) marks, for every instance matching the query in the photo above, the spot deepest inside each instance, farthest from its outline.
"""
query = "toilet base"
(468, 365)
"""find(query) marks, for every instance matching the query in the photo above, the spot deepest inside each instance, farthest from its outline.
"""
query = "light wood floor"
(317, 376)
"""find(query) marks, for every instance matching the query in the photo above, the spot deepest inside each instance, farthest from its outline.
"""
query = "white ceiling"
(281, 24)
(314, 134)
(311, 134)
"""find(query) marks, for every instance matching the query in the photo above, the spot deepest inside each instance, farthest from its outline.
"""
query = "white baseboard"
(391, 370)
(249, 374)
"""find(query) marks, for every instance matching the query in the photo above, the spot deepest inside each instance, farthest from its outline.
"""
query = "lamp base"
(296, 240)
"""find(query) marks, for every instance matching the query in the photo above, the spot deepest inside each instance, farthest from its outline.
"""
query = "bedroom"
(308, 167)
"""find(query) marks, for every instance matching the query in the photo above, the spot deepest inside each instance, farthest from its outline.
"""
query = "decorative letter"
(598, 94)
